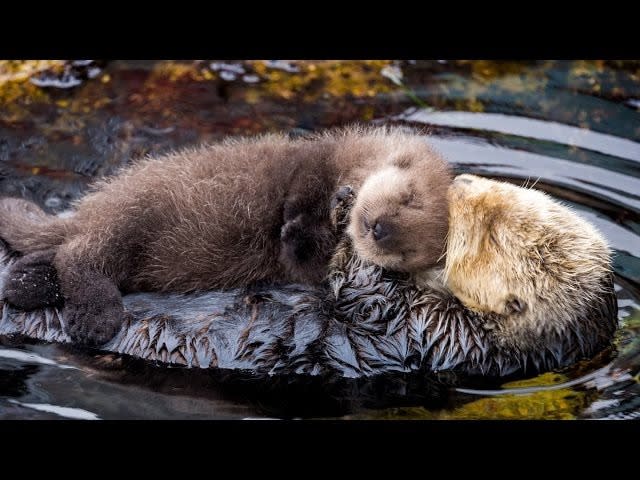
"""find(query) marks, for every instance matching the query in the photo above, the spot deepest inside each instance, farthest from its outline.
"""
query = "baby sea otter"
(228, 215)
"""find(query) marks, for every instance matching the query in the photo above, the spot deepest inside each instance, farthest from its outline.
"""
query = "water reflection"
(529, 128)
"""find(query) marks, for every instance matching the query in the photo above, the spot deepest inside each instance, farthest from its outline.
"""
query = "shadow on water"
(571, 128)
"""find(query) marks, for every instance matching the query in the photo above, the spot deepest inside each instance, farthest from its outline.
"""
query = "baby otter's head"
(399, 219)
(518, 253)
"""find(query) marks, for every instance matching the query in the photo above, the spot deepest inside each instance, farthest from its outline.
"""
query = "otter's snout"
(380, 230)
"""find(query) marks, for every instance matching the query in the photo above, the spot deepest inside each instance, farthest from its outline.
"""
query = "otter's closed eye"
(411, 199)
(494, 239)
(408, 198)
(514, 305)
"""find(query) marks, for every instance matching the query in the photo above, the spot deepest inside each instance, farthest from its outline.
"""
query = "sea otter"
(227, 215)
(518, 253)
(379, 324)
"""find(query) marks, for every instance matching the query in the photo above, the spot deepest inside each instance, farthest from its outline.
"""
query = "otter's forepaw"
(341, 204)
(93, 323)
(297, 242)
(31, 283)
(343, 197)
(305, 249)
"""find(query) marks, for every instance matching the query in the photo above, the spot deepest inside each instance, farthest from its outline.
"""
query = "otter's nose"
(381, 231)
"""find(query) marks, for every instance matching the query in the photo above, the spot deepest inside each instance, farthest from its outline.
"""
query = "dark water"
(570, 127)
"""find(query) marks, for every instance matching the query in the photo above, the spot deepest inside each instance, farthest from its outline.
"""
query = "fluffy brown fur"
(232, 214)
(518, 253)
(388, 225)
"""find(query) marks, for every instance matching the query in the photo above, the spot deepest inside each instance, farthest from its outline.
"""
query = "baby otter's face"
(516, 252)
(399, 220)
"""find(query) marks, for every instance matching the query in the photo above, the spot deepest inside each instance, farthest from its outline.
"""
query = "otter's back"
(188, 219)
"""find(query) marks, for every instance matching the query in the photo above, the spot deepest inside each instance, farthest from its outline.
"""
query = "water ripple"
(31, 358)
(531, 128)
(66, 412)
(564, 173)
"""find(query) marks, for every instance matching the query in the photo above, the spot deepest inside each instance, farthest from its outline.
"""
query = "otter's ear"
(514, 305)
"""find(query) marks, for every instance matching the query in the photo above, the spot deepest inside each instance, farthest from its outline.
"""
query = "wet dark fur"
(221, 216)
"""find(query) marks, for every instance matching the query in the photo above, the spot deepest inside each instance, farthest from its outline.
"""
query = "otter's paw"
(93, 323)
(296, 239)
(341, 204)
(343, 197)
(32, 282)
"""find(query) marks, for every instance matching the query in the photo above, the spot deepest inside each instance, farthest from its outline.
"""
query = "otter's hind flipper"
(32, 282)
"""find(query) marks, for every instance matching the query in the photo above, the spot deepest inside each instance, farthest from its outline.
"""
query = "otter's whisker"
(535, 183)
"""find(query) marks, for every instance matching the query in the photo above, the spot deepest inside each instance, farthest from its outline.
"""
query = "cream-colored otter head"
(399, 219)
(517, 252)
